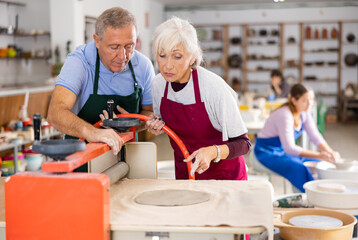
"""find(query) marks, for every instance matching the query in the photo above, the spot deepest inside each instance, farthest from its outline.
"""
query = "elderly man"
(107, 68)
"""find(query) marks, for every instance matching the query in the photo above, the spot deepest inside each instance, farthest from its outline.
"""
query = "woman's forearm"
(325, 147)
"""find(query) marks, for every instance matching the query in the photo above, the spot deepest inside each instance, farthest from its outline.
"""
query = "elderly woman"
(275, 146)
(197, 105)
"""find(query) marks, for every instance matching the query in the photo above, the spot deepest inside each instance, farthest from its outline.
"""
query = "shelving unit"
(263, 54)
(319, 62)
(16, 146)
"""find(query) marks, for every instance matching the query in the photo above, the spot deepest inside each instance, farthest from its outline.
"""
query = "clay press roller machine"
(59, 204)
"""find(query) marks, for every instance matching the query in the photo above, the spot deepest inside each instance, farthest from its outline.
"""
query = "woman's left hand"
(155, 124)
(203, 158)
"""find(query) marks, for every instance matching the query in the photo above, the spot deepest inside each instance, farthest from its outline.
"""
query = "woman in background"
(278, 84)
(275, 146)
(199, 106)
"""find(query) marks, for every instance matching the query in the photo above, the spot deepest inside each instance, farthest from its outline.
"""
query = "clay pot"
(324, 33)
(334, 33)
(235, 40)
(235, 60)
(308, 32)
(291, 40)
(351, 59)
(275, 32)
(316, 34)
(263, 32)
(217, 34)
(350, 37)
(251, 32)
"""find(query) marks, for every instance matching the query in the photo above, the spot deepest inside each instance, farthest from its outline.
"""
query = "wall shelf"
(26, 34)
(322, 80)
(13, 3)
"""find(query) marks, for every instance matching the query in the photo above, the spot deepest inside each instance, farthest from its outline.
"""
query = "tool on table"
(293, 201)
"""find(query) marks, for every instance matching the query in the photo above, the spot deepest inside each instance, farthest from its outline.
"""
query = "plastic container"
(20, 156)
(7, 167)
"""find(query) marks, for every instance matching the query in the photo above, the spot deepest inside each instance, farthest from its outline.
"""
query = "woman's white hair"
(176, 31)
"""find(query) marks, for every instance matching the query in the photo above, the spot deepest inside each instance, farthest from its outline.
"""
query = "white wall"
(71, 26)
(268, 15)
(32, 17)
(67, 24)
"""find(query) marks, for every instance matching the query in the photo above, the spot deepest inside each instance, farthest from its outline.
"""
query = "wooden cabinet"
(308, 52)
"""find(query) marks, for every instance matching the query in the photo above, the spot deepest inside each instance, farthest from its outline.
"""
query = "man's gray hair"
(177, 31)
(115, 17)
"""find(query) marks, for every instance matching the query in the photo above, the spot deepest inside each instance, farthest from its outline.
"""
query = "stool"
(259, 167)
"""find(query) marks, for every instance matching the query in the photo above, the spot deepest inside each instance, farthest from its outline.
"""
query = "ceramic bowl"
(326, 170)
(34, 163)
(345, 163)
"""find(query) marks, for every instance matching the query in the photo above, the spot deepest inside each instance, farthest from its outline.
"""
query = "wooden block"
(331, 118)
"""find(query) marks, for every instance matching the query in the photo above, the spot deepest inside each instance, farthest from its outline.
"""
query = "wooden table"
(348, 103)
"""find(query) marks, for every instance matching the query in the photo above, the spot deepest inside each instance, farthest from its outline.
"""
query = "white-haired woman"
(198, 105)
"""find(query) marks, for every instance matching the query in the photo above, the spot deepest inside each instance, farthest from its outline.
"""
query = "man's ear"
(96, 39)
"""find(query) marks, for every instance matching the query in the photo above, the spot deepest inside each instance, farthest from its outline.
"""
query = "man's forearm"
(70, 124)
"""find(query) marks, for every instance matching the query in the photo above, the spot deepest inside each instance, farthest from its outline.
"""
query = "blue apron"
(270, 153)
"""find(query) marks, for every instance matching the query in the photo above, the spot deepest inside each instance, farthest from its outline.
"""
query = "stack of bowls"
(33, 159)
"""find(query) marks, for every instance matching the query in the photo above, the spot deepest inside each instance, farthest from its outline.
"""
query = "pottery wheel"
(331, 187)
(315, 221)
(172, 197)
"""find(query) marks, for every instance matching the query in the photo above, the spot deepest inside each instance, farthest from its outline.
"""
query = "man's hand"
(108, 136)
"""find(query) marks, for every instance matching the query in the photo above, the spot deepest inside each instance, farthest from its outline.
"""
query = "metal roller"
(117, 172)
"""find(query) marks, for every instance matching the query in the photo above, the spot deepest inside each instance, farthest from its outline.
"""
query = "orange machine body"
(58, 204)
(47, 206)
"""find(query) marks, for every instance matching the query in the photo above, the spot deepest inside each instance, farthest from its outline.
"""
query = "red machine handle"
(166, 129)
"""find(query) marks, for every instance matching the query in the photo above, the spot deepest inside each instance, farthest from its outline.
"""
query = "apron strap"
(196, 86)
(96, 75)
(166, 90)
(133, 75)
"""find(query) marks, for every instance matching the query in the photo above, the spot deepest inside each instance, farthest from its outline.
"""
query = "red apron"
(192, 124)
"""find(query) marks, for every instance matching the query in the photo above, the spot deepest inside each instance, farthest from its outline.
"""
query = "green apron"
(96, 103)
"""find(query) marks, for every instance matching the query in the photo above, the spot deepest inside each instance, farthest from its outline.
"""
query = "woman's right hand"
(155, 124)
(326, 156)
